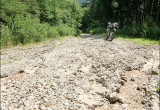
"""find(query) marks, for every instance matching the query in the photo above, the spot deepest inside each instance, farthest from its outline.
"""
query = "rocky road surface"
(85, 73)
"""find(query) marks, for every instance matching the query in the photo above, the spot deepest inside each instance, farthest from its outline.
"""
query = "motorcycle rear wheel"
(110, 36)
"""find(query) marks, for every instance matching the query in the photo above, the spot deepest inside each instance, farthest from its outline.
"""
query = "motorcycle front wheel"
(111, 36)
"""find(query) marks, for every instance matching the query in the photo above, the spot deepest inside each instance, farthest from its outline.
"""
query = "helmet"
(109, 23)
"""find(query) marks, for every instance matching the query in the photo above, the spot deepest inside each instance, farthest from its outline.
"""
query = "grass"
(158, 87)
(3, 62)
(26, 46)
(16, 59)
(2, 53)
(138, 41)
(158, 90)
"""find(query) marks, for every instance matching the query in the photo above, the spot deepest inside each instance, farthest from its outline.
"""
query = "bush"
(26, 30)
(5, 35)
(65, 30)
(33, 21)
(148, 29)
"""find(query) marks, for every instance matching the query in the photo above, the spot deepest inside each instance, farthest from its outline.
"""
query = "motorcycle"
(111, 29)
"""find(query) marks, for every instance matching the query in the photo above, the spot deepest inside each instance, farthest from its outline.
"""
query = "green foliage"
(148, 29)
(95, 27)
(26, 21)
(135, 18)
(64, 30)
(114, 4)
(6, 35)
(158, 90)
(86, 20)
(97, 30)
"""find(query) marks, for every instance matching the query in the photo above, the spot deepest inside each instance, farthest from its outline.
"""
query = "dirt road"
(85, 73)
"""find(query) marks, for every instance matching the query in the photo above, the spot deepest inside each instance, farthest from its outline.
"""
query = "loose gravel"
(79, 74)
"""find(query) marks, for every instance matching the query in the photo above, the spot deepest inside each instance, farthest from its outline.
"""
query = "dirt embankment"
(85, 73)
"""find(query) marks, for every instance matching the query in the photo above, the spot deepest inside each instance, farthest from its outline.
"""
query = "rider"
(111, 28)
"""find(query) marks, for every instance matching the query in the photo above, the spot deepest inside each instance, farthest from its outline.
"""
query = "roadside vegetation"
(32, 21)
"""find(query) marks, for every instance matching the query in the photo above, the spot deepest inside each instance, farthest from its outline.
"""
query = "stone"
(48, 108)
(113, 97)
(100, 80)
(30, 97)
(43, 107)
(139, 87)
(121, 99)
(132, 79)
(144, 101)
(45, 100)
(36, 106)
(155, 71)
(120, 81)
(124, 78)
(125, 107)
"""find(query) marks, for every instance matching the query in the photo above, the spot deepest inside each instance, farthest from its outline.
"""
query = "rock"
(36, 107)
(144, 101)
(112, 97)
(45, 100)
(92, 78)
(3, 75)
(125, 107)
(9, 81)
(139, 87)
(30, 97)
(100, 80)
(120, 81)
(116, 88)
(132, 79)
(124, 78)
(48, 108)
(43, 107)
(155, 71)
(121, 99)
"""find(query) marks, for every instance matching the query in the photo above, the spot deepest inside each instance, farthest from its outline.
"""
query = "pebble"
(42, 107)
(121, 99)
(45, 100)
(144, 101)
(124, 78)
(120, 81)
(48, 108)
(125, 107)
(132, 79)
(113, 97)
(36, 106)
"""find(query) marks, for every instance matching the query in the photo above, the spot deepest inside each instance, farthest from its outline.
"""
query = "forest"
(137, 18)
(27, 21)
